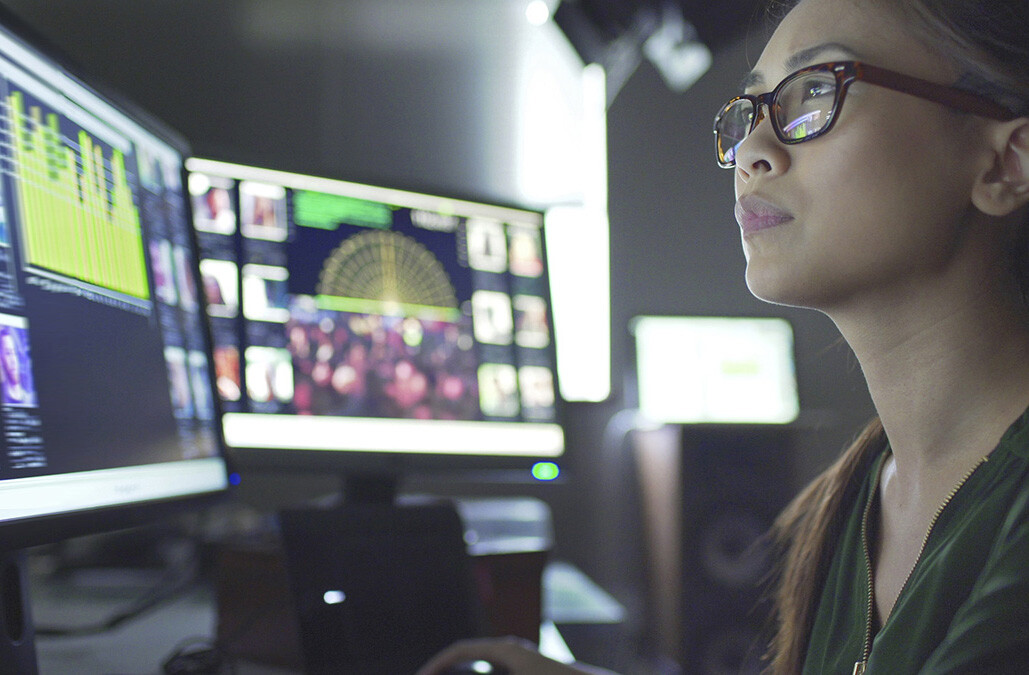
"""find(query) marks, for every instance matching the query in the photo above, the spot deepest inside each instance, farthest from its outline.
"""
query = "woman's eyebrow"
(798, 60)
(752, 79)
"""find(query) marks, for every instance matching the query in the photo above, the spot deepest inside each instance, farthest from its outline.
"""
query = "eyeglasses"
(806, 104)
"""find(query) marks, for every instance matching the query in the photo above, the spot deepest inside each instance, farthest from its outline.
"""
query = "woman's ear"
(1004, 188)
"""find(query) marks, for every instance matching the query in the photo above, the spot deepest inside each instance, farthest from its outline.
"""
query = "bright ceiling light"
(537, 12)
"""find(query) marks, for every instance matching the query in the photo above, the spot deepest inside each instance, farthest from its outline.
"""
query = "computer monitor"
(373, 330)
(715, 370)
(108, 416)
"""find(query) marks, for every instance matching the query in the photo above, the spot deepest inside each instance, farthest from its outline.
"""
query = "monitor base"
(17, 637)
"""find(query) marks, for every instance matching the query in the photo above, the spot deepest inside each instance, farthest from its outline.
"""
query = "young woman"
(883, 179)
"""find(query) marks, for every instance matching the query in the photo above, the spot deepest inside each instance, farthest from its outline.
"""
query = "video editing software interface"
(106, 389)
(354, 317)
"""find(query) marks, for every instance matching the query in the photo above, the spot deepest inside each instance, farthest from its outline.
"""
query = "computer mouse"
(476, 667)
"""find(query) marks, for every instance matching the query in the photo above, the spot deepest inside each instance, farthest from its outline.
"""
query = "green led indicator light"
(545, 471)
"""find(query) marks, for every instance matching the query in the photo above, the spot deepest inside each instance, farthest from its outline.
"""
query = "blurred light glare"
(334, 597)
(578, 241)
(561, 164)
(537, 12)
(545, 471)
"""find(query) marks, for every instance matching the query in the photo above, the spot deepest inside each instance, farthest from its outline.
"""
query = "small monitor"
(361, 326)
(719, 370)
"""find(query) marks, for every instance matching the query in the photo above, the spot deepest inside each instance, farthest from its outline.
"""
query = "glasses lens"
(732, 127)
(804, 105)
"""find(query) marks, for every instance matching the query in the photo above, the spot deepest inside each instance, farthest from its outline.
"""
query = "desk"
(140, 646)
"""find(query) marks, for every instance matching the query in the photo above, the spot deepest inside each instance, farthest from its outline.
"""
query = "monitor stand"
(17, 643)
(362, 488)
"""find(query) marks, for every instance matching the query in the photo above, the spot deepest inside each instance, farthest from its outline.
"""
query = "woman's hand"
(517, 656)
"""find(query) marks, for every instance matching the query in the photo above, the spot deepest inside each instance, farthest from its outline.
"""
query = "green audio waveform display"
(77, 218)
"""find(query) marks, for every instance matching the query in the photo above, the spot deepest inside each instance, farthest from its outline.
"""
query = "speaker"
(735, 481)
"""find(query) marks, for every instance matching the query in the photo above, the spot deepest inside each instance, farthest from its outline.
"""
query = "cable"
(198, 656)
(172, 584)
(211, 657)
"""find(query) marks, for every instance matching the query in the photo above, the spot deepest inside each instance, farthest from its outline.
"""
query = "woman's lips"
(755, 214)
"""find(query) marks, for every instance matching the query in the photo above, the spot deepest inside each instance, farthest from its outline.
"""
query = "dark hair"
(804, 535)
(987, 41)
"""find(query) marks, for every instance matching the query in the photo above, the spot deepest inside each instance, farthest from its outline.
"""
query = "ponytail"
(804, 534)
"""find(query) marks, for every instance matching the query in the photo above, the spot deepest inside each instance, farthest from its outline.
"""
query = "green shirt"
(965, 608)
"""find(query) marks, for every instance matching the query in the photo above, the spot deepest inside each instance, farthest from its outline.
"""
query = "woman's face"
(879, 204)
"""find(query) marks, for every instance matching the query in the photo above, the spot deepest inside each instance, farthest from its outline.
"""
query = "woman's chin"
(765, 288)
(779, 291)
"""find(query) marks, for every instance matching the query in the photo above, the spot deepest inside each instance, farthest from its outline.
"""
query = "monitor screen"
(718, 370)
(106, 398)
(372, 321)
